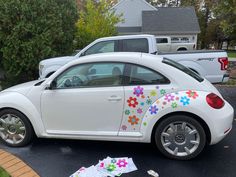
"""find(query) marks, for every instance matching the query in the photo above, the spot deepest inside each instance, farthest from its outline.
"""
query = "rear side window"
(183, 68)
(140, 75)
(135, 45)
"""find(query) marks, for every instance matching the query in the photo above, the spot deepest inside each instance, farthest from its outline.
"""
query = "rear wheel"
(180, 137)
(15, 128)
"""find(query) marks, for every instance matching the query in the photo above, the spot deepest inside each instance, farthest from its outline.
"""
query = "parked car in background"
(208, 63)
(130, 97)
(173, 44)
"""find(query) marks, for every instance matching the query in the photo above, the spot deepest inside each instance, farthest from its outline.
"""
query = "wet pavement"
(60, 158)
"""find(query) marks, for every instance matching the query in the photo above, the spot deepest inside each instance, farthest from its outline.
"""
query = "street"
(61, 158)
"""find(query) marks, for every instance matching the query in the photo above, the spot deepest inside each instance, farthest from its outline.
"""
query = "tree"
(34, 30)
(97, 20)
(225, 12)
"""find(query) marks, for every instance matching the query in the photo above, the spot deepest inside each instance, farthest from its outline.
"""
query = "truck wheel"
(180, 137)
(15, 128)
(182, 49)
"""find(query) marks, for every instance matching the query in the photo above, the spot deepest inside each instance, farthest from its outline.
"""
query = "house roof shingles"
(170, 20)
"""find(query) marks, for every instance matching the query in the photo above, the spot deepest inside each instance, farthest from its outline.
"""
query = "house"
(140, 17)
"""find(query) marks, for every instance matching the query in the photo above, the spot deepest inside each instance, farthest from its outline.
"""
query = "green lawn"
(231, 54)
(3, 173)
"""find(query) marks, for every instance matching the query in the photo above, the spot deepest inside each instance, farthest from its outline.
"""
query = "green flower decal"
(149, 101)
(111, 167)
(174, 105)
(145, 123)
(153, 93)
(162, 91)
(127, 112)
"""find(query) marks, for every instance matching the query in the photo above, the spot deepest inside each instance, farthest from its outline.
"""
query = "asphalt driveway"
(60, 158)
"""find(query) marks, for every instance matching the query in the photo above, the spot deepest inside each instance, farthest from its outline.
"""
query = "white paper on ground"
(107, 167)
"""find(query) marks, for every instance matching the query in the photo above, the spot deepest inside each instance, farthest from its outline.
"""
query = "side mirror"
(51, 85)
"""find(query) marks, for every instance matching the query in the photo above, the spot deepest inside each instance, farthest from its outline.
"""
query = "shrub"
(32, 30)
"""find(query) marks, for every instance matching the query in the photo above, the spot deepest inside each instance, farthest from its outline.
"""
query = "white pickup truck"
(174, 44)
(210, 64)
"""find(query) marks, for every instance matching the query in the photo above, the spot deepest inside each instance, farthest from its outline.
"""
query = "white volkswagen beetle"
(120, 97)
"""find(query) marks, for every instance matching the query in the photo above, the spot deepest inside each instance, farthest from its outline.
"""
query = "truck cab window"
(135, 45)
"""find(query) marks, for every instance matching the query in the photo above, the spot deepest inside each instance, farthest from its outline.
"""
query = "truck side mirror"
(51, 85)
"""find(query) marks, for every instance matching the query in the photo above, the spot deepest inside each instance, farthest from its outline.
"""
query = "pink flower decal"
(122, 163)
(124, 127)
(192, 94)
(139, 110)
(102, 165)
(169, 97)
(132, 102)
(138, 91)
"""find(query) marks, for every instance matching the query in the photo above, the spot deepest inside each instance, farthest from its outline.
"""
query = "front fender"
(21, 103)
(180, 102)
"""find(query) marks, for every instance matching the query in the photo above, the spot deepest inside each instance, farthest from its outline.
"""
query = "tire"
(15, 128)
(180, 137)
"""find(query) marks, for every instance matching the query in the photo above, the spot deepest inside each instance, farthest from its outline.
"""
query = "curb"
(14, 166)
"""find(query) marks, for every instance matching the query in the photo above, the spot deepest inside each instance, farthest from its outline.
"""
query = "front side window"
(144, 76)
(135, 45)
(102, 47)
(91, 75)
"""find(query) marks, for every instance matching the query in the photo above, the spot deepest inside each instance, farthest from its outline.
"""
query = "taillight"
(215, 101)
(224, 62)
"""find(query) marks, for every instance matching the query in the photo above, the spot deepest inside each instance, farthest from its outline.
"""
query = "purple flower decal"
(138, 91)
(153, 109)
(169, 97)
(139, 110)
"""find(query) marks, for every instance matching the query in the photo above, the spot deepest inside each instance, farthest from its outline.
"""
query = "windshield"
(183, 68)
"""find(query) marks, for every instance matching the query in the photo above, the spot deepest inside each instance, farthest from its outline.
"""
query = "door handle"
(114, 98)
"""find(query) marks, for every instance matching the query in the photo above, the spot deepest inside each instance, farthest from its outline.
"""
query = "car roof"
(125, 37)
(126, 57)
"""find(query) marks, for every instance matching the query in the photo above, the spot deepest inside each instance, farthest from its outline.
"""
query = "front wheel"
(15, 128)
(180, 137)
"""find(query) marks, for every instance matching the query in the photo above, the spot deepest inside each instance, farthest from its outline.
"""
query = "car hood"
(22, 88)
(61, 60)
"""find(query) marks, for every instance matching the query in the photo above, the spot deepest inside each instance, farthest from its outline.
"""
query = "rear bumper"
(222, 123)
(225, 77)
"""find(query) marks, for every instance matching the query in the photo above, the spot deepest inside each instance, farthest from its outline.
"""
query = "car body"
(130, 97)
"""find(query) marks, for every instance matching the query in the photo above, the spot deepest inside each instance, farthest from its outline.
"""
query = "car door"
(87, 100)
(144, 87)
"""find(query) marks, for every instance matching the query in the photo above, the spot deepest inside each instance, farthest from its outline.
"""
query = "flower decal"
(185, 100)
(113, 160)
(124, 127)
(132, 102)
(138, 91)
(162, 91)
(143, 96)
(174, 105)
(153, 93)
(122, 163)
(142, 103)
(127, 112)
(153, 109)
(192, 94)
(139, 110)
(111, 167)
(149, 101)
(169, 97)
(133, 120)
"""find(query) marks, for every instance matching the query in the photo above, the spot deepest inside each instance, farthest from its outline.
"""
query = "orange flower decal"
(133, 120)
(192, 94)
(132, 102)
